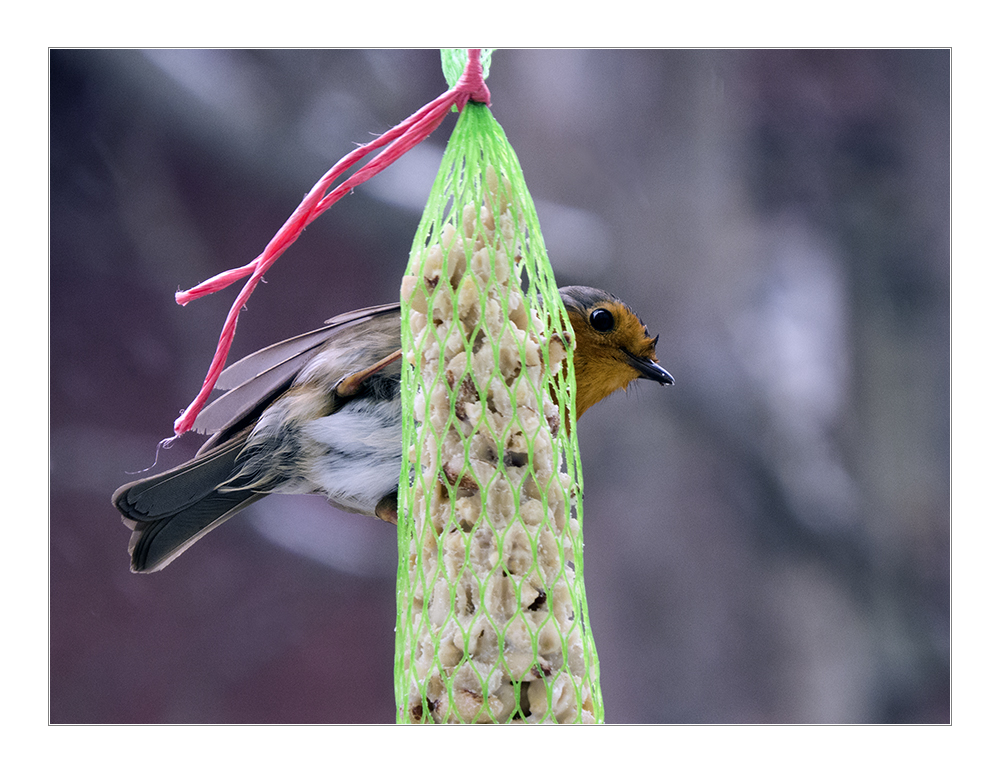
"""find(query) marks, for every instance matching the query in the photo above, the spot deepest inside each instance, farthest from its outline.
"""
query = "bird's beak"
(648, 369)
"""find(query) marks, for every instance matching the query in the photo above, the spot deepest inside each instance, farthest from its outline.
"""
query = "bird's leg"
(386, 508)
(351, 383)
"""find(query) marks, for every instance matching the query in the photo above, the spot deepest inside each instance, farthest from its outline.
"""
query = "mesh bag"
(492, 617)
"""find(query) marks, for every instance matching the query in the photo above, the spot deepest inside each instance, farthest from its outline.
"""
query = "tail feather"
(168, 512)
(155, 544)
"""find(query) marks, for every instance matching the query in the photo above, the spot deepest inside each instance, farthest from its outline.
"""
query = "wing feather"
(254, 381)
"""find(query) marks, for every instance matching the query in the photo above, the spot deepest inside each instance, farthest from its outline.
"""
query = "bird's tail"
(168, 512)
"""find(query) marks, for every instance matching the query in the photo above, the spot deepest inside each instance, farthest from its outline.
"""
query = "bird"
(320, 413)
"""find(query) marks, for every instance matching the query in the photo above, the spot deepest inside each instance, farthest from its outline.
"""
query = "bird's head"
(613, 347)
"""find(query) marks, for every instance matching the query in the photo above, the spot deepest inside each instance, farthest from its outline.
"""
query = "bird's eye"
(602, 320)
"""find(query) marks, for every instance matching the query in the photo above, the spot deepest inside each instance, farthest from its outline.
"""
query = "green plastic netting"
(492, 617)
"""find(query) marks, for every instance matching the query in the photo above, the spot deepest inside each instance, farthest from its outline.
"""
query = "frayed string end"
(164, 444)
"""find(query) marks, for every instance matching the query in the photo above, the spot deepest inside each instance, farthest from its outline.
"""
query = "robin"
(320, 413)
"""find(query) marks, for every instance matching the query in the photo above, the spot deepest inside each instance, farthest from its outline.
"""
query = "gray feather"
(265, 359)
(258, 378)
(171, 510)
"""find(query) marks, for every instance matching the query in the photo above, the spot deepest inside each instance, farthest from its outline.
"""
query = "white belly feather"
(357, 454)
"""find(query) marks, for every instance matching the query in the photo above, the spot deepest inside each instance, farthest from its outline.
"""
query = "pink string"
(400, 139)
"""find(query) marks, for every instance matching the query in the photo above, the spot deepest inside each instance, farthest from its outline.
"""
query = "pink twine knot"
(471, 84)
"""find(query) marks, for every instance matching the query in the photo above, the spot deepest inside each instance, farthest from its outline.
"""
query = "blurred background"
(767, 540)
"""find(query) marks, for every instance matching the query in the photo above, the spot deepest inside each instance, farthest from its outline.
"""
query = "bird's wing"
(253, 382)
(263, 360)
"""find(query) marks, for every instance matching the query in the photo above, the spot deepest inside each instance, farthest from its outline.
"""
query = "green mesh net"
(492, 617)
